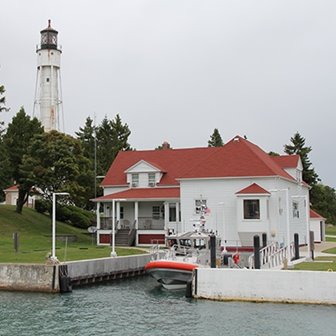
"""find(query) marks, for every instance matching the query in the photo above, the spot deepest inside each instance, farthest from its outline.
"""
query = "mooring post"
(296, 247)
(16, 242)
(256, 245)
(213, 251)
(264, 239)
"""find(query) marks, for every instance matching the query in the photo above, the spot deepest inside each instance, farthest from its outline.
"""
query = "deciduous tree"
(323, 199)
(55, 163)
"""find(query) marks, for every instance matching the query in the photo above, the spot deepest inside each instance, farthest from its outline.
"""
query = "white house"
(317, 225)
(246, 192)
(12, 194)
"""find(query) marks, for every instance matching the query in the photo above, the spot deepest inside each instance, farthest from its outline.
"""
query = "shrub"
(79, 220)
(42, 206)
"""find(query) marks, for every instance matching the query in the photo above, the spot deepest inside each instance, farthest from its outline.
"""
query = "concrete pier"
(265, 285)
(29, 277)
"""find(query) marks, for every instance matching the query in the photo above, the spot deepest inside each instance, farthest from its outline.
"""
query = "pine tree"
(297, 146)
(112, 137)
(86, 135)
(215, 139)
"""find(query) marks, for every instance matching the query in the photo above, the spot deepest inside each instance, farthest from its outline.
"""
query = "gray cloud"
(174, 70)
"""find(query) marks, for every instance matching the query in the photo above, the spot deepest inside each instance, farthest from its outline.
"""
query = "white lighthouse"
(48, 100)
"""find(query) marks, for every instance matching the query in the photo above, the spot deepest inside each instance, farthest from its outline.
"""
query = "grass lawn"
(319, 264)
(331, 239)
(35, 240)
(331, 230)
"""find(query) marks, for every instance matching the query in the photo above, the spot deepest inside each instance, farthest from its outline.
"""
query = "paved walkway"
(319, 248)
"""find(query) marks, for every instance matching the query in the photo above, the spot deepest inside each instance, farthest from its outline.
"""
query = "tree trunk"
(22, 199)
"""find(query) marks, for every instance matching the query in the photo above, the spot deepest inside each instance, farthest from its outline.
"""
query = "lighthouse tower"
(48, 100)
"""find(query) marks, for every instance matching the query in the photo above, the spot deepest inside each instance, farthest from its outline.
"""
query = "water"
(140, 307)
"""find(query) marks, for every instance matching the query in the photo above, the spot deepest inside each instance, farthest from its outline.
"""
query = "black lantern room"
(49, 38)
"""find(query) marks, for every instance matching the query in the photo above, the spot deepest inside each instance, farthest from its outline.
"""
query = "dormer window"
(151, 179)
(135, 180)
(298, 175)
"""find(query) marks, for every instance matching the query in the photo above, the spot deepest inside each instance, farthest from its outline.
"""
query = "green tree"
(19, 135)
(86, 136)
(112, 137)
(297, 146)
(215, 139)
(4, 162)
(2, 99)
(323, 199)
(55, 163)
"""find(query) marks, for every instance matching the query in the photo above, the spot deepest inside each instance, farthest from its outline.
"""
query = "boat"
(173, 268)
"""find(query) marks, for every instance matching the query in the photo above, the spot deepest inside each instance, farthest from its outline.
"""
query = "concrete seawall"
(50, 278)
(265, 285)
(29, 277)
(103, 269)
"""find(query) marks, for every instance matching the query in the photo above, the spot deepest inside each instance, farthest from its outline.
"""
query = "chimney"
(165, 145)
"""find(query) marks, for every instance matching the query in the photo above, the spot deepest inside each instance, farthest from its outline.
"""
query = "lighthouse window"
(47, 80)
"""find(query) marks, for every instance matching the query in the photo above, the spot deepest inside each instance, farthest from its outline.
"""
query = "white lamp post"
(53, 254)
(113, 252)
(224, 231)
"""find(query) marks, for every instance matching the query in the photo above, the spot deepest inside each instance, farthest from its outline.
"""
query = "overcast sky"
(176, 69)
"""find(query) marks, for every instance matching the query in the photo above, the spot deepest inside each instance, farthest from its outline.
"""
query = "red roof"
(314, 214)
(142, 193)
(253, 189)
(237, 158)
(12, 188)
(174, 162)
(287, 161)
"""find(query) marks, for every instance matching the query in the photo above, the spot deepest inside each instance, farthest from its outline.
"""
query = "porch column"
(136, 214)
(177, 216)
(98, 215)
(118, 214)
(166, 215)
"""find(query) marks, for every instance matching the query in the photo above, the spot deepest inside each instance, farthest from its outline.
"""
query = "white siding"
(224, 205)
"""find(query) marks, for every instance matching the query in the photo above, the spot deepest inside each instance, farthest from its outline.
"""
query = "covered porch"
(149, 219)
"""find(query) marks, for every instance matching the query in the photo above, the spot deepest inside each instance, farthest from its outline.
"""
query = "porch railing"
(149, 223)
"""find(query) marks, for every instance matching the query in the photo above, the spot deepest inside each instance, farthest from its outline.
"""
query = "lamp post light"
(53, 254)
(113, 252)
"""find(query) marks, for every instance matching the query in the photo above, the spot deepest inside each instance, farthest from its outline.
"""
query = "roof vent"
(236, 139)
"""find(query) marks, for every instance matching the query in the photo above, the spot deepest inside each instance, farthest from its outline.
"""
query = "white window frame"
(296, 209)
(255, 201)
(135, 179)
(151, 179)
